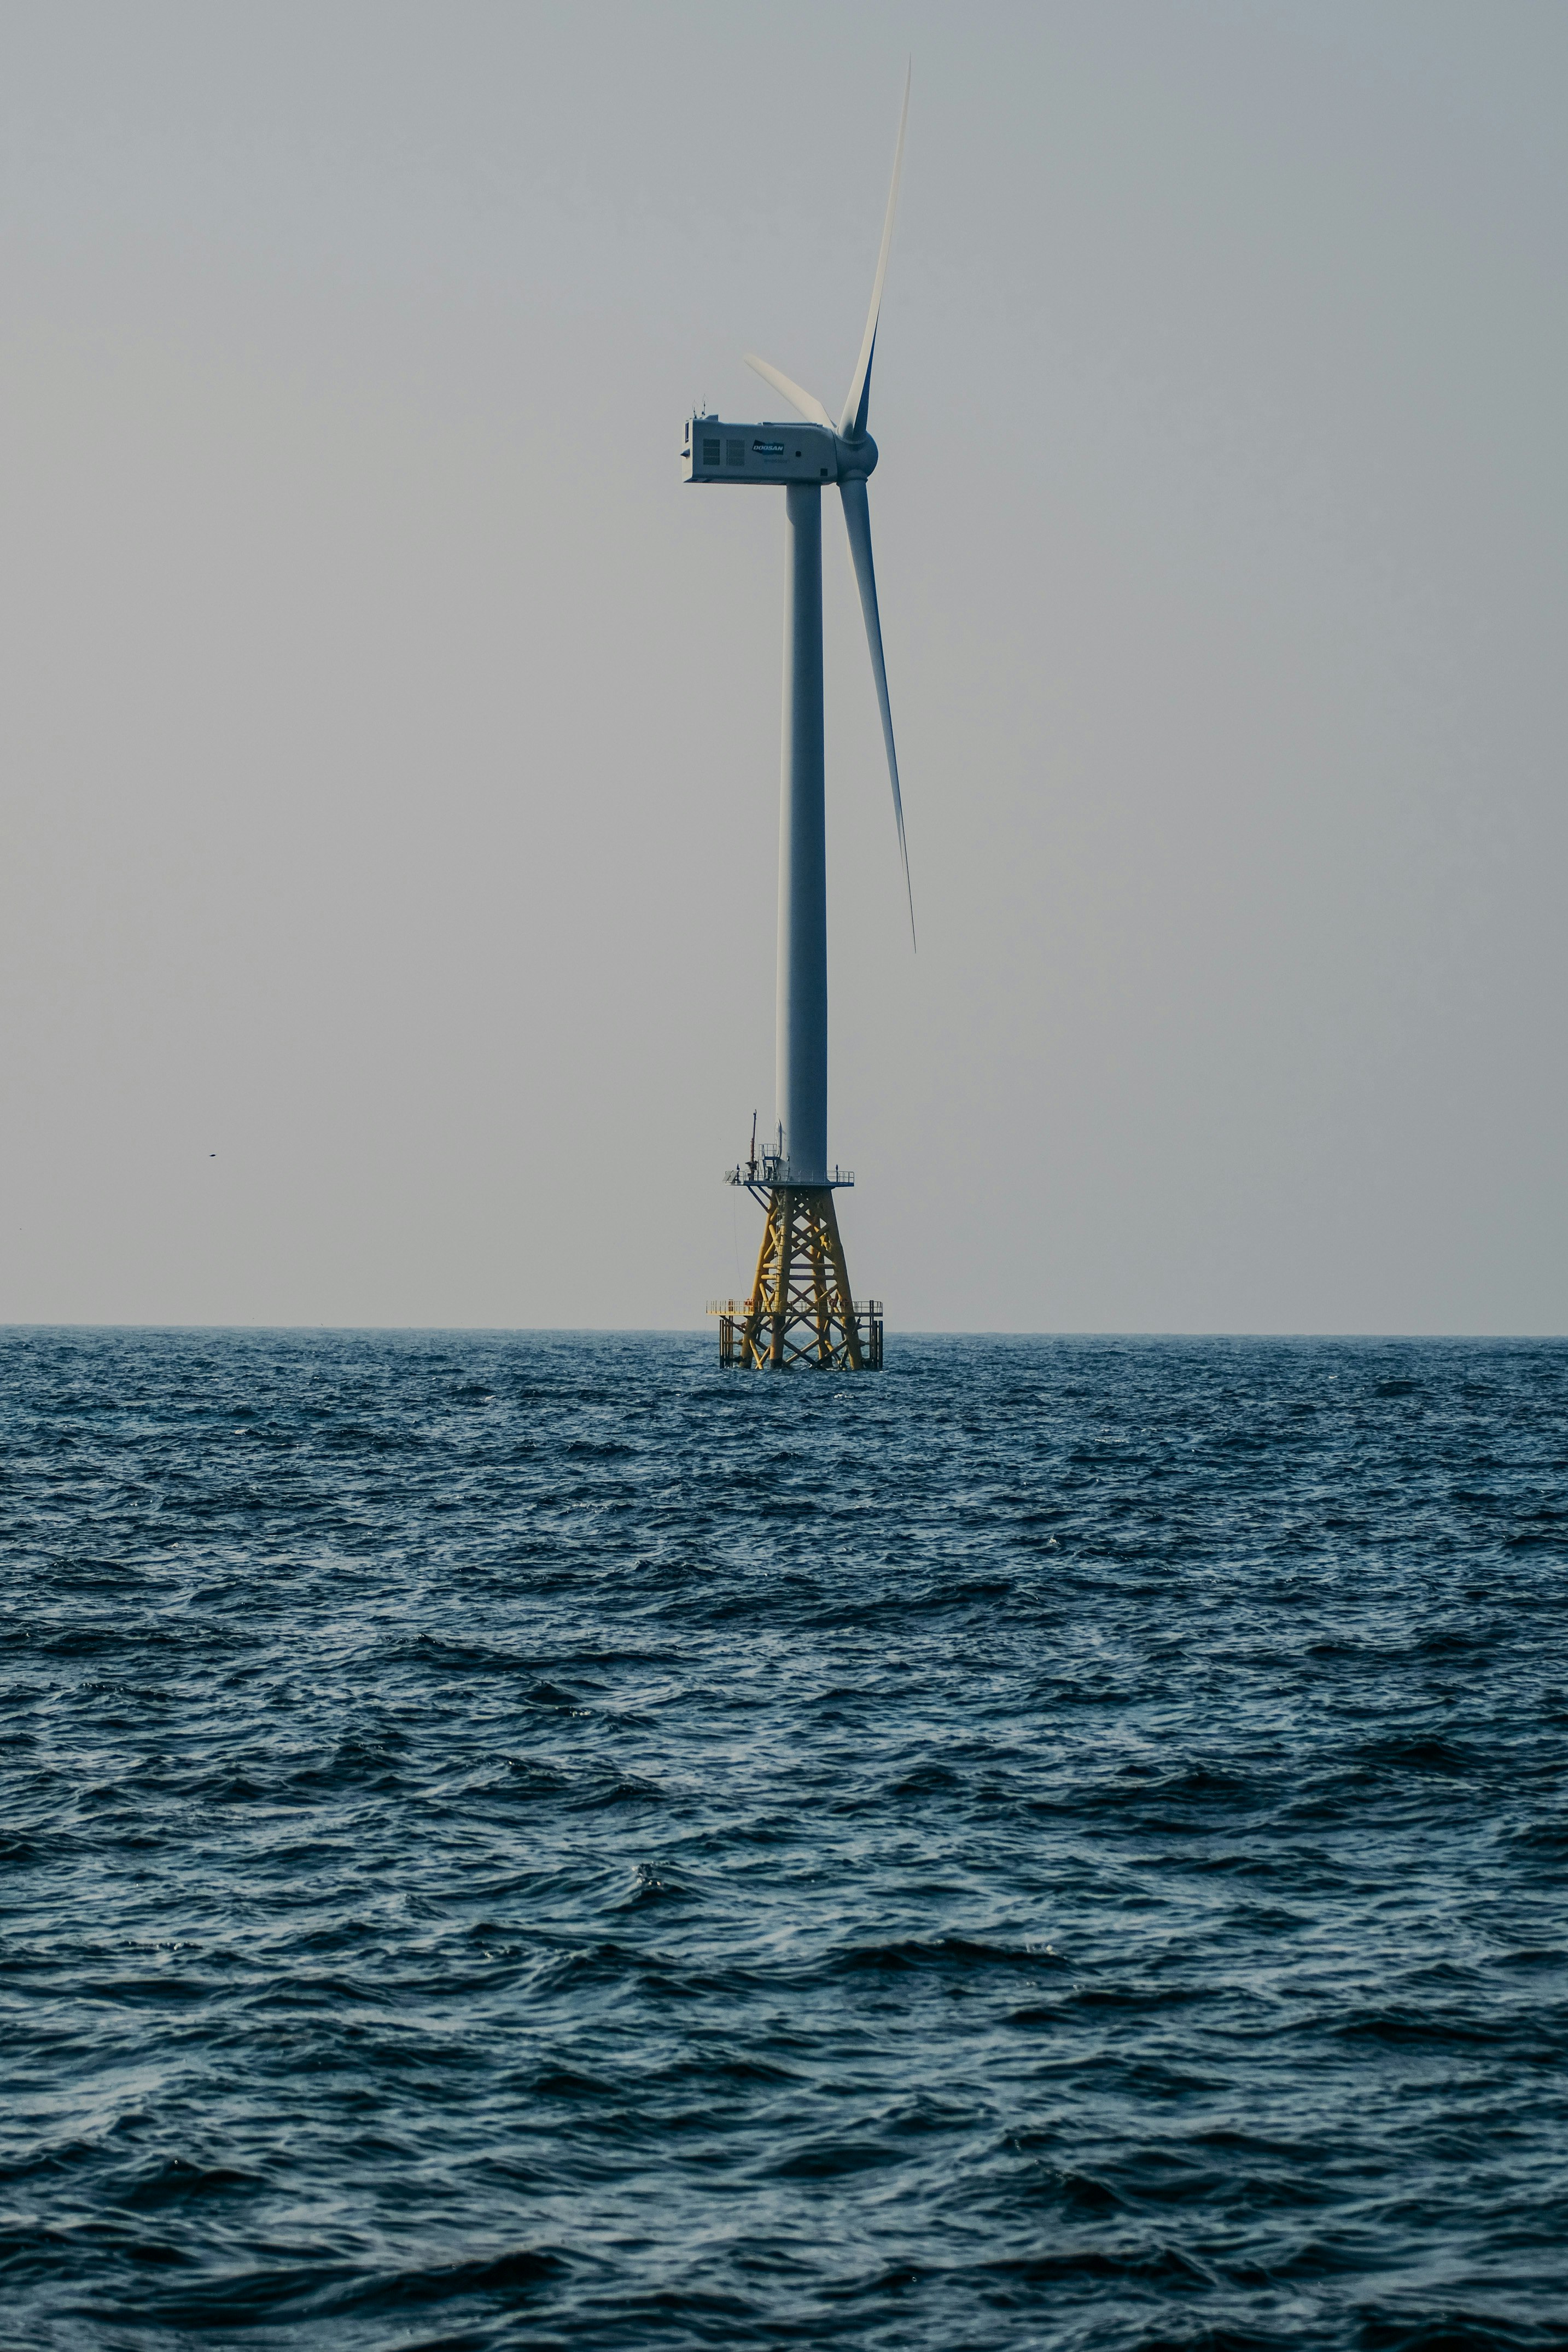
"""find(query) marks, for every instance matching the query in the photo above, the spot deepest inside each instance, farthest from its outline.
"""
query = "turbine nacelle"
(715, 451)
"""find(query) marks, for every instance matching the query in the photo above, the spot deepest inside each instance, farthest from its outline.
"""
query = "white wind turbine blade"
(853, 422)
(804, 402)
(857, 523)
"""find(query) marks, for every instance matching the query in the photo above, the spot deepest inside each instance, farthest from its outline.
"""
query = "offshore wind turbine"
(799, 1310)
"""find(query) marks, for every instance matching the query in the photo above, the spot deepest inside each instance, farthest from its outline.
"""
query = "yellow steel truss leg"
(782, 1295)
(757, 1348)
(841, 1276)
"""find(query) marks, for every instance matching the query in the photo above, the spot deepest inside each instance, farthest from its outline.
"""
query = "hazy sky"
(390, 738)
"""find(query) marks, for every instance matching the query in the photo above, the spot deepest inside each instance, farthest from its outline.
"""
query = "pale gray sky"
(390, 740)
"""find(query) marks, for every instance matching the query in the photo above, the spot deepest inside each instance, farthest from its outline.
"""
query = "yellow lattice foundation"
(800, 1310)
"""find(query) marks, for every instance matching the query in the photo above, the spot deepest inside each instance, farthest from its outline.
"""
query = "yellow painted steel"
(800, 1310)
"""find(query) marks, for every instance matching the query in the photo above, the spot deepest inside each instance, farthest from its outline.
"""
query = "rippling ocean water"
(529, 1840)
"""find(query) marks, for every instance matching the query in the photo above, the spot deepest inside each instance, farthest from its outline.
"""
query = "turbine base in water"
(800, 1310)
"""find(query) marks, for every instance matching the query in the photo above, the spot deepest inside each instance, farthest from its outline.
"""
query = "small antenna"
(751, 1163)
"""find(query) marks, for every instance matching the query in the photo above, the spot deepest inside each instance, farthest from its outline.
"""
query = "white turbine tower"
(800, 1310)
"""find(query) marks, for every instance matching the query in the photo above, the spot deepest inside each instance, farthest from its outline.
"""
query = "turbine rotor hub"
(856, 458)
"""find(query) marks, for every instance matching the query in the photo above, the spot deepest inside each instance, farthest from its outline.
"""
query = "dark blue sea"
(532, 1841)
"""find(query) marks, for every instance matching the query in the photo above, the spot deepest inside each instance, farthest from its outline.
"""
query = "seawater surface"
(530, 1839)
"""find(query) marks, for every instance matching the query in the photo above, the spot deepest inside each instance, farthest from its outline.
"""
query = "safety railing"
(734, 1313)
(768, 1171)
